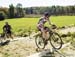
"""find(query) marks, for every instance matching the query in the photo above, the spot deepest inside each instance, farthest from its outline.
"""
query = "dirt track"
(20, 48)
(66, 30)
(23, 47)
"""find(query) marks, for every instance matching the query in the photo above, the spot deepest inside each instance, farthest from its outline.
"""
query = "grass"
(26, 23)
(63, 20)
(20, 23)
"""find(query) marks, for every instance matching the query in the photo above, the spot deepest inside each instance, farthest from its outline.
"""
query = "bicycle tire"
(52, 44)
(39, 38)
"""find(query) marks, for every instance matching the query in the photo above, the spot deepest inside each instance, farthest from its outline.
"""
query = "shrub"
(19, 30)
(69, 34)
(63, 27)
(1, 17)
(25, 35)
(73, 35)
(64, 35)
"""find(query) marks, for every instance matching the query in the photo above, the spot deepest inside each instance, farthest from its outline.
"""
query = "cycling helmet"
(46, 14)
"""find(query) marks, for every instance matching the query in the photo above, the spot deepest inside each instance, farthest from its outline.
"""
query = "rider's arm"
(49, 22)
(3, 27)
(10, 27)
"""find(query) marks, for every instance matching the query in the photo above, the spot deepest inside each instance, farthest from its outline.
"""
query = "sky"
(38, 3)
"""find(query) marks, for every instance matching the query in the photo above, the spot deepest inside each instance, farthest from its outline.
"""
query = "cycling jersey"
(7, 28)
(41, 23)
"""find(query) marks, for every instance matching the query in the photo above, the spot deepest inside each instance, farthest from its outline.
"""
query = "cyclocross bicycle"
(54, 39)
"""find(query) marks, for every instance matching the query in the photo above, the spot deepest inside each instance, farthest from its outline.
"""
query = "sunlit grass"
(26, 23)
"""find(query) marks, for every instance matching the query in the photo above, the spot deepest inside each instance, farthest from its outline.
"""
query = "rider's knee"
(46, 29)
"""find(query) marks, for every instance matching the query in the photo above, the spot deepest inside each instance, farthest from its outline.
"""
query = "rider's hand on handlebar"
(53, 26)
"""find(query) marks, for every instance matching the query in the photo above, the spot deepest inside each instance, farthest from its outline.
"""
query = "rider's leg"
(44, 36)
(6, 35)
(45, 33)
(10, 35)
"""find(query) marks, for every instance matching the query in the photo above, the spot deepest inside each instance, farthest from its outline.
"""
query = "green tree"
(2, 16)
(11, 11)
(20, 11)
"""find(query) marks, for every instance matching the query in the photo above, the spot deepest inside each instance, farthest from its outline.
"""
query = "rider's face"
(6, 23)
(47, 17)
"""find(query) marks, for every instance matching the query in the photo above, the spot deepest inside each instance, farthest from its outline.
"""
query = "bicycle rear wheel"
(39, 42)
(56, 41)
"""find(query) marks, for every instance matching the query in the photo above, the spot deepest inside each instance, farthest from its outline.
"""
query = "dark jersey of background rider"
(7, 28)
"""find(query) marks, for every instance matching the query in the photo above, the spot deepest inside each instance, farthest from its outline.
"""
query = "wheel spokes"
(39, 42)
(56, 41)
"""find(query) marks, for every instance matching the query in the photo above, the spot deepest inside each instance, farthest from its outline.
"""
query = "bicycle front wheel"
(56, 41)
(39, 42)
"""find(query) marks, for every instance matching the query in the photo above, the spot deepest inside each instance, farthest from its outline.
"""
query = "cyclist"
(41, 26)
(7, 30)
